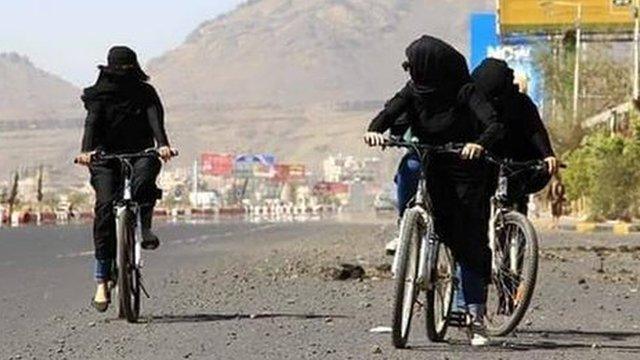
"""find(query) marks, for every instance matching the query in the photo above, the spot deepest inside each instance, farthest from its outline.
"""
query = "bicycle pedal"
(458, 319)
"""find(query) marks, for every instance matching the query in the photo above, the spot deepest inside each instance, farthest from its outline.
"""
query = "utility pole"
(576, 75)
(636, 50)
(578, 26)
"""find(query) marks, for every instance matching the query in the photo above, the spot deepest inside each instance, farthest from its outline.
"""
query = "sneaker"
(477, 329)
(392, 246)
(478, 334)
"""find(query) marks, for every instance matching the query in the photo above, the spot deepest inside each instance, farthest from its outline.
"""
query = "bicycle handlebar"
(456, 148)
(152, 152)
(453, 148)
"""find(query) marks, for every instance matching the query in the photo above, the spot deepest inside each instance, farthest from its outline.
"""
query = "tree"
(605, 82)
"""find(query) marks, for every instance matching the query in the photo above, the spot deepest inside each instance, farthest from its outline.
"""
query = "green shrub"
(606, 171)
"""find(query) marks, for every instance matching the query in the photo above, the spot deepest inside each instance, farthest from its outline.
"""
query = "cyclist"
(526, 136)
(124, 115)
(443, 106)
(407, 173)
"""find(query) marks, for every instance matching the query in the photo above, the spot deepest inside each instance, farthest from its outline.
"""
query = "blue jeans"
(472, 285)
(103, 270)
(407, 180)
(471, 289)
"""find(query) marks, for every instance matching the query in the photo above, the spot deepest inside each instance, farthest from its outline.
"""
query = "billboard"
(483, 35)
(519, 54)
(289, 172)
(216, 164)
(254, 165)
(556, 16)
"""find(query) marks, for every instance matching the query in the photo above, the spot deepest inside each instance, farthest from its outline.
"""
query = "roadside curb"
(591, 227)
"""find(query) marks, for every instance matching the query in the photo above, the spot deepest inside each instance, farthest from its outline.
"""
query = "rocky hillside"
(285, 52)
(28, 93)
(298, 78)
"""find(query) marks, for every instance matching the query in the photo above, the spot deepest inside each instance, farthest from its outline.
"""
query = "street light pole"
(636, 50)
(576, 74)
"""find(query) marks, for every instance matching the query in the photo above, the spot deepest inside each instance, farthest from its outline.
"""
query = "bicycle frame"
(422, 202)
(496, 220)
(499, 207)
(127, 203)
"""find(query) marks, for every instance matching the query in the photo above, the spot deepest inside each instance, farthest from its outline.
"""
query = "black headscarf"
(121, 82)
(436, 67)
(495, 79)
(123, 61)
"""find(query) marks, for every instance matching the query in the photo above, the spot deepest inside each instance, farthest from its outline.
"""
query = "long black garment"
(442, 105)
(124, 115)
(526, 136)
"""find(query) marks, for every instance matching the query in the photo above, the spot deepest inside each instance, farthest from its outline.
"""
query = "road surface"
(260, 291)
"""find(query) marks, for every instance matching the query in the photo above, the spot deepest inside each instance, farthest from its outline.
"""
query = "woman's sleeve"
(92, 137)
(536, 131)
(393, 109)
(492, 129)
(155, 114)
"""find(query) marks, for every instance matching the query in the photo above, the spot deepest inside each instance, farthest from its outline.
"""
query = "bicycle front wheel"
(442, 268)
(406, 277)
(514, 273)
(128, 274)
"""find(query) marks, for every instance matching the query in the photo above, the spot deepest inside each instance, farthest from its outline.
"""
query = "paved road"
(257, 291)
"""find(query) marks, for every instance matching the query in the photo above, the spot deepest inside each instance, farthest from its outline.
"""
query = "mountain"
(292, 52)
(28, 93)
(297, 78)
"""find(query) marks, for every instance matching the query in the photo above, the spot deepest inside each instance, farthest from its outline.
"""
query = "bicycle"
(127, 276)
(514, 246)
(424, 262)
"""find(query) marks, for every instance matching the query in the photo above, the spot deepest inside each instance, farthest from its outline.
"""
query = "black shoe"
(149, 240)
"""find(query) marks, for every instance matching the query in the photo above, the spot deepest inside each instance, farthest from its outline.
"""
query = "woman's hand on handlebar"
(552, 164)
(374, 139)
(472, 151)
(84, 159)
(166, 153)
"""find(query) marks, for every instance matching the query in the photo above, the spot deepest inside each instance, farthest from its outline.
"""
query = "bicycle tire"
(439, 294)
(408, 252)
(128, 276)
(528, 276)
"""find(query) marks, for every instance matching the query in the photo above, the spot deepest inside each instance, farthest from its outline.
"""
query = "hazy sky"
(70, 37)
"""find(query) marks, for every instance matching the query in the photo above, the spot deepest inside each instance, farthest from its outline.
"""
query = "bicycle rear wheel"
(515, 260)
(442, 268)
(128, 275)
(405, 287)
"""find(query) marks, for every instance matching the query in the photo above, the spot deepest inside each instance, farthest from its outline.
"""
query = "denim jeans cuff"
(103, 270)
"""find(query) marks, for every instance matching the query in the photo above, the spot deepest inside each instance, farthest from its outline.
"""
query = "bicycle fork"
(496, 226)
(427, 244)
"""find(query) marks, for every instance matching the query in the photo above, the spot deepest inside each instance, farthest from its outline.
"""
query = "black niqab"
(495, 79)
(436, 67)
